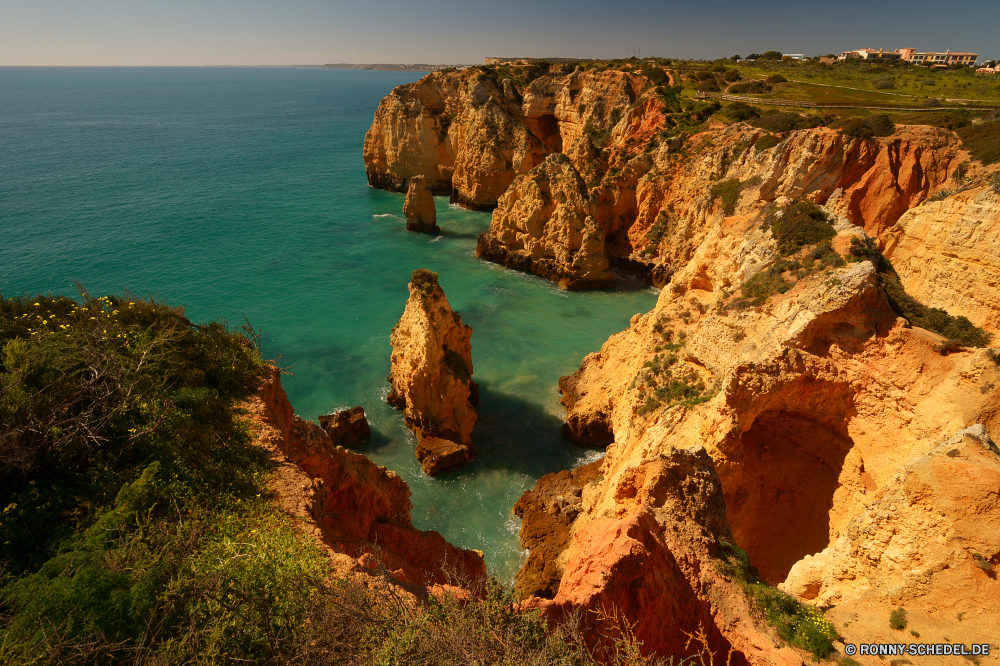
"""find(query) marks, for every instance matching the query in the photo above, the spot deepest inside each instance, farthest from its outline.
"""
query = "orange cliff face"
(354, 509)
(652, 197)
(431, 377)
(837, 432)
(947, 254)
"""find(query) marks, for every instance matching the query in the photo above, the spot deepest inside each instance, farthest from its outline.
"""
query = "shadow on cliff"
(519, 436)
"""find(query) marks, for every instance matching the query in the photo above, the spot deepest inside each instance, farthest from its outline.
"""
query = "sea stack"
(419, 207)
(431, 377)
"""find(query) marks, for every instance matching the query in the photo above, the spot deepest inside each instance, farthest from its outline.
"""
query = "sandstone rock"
(547, 513)
(357, 511)
(419, 207)
(926, 539)
(544, 224)
(347, 427)
(818, 409)
(471, 139)
(431, 376)
(652, 560)
(947, 254)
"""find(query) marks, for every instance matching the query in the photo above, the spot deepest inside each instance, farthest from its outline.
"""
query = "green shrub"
(982, 141)
(897, 619)
(786, 122)
(959, 331)
(867, 128)
(951, 120)
(729, 192)
(766, 142)
(775, 78)
(739, 111)
(803, 223)
(884, 83)
(732, 76)
(749, 88)
(709, 86)
(803, 626)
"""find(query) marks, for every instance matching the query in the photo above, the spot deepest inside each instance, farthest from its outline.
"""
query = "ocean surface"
(241, 192)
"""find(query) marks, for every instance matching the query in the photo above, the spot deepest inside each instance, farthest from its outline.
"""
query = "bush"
(709, 86)
(803, 223)
(982, 141)
(786, 122)
(867, 128)
(897, 619)
(931, 101)
(729, 192)
(959, 331)
(884, 83)
(749, 88)
(740, 111)
(732, 75)
(775, 78)
(766, 142)
(951, 120)
(771, 55)
(803, 626)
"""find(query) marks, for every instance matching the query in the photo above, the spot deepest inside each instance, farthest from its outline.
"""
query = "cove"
(241, 191)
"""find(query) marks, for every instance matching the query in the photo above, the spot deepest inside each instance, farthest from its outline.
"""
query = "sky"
(314, 32)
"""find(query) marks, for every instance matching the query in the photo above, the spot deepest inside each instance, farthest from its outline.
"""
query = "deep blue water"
(241, 191)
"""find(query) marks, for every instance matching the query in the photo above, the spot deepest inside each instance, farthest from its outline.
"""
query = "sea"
(240, 194)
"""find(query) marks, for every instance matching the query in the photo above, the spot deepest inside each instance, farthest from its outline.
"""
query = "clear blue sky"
(258, 32)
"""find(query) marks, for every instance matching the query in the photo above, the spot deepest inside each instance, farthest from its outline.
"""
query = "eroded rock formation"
(359, 512)
(544, 224)
(947, 254)
(653, 198)
(346, 427)
(431, 379)
(421, 216)
(816, 408)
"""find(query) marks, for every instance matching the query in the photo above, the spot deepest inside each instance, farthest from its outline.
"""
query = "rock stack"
(419, 207)
(431, 376)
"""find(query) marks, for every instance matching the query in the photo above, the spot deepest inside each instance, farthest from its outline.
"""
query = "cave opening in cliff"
(547, 131)
(780, 510)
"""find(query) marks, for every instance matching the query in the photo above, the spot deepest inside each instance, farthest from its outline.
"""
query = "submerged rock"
(346, 427)
(431, 378)
(419, 207)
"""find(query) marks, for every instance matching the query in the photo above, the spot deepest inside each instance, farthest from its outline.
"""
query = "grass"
(982, 141)
(661, 382)
(803, 626)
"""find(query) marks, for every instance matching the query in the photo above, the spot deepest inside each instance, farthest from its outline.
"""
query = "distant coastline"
(418, 67)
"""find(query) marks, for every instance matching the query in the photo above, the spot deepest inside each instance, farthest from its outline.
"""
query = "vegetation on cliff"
(137, 526)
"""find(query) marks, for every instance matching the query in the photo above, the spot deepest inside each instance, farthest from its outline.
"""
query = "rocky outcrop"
(547, 512)
(347, 427)
(470, 136)
(357, 511)
(544, 224)
(947, 254)
(431, 379)
(652, 197)
(932, 533)
(816, 408)
(421, 216)
(653, 560)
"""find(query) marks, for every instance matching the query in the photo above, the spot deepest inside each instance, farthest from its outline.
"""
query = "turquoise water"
(242, 191)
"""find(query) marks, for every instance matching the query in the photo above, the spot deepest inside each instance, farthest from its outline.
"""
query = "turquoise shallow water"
(242, 191)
